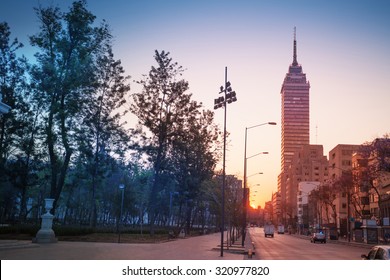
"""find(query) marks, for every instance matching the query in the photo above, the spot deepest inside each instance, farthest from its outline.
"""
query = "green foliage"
(63, 78)
(67, 138)
(27, 229)
(72, 230)
(17, 128)
(181, 134)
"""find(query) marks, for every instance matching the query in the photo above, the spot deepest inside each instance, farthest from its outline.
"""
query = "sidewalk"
(204, 247)
(340, 241)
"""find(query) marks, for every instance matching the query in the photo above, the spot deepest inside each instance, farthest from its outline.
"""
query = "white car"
(378, 252)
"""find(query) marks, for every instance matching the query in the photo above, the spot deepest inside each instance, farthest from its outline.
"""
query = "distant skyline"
(343, 47)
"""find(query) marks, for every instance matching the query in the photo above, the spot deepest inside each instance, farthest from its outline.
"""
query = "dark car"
(379, 252)
(318, 236)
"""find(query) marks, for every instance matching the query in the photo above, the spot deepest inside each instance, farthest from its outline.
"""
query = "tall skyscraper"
(295, 121)
(295, 111)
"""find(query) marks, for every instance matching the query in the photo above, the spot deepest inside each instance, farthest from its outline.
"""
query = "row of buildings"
(340, 191)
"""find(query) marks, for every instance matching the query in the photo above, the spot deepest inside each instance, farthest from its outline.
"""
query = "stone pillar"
(46, 233)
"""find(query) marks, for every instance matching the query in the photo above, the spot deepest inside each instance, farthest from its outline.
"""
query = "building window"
(365, 200)
(366, 212)
(347, 152)
(346, 163)
(363, 188)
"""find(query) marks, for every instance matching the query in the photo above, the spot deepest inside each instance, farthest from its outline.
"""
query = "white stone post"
(46, 233)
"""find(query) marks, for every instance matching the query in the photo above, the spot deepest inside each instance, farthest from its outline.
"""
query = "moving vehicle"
(269, 230)
(378, 252)
(280, 229)
(318, 236)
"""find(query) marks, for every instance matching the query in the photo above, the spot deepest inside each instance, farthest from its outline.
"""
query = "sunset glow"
(343, 49)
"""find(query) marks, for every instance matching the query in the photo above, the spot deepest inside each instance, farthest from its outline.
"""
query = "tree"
(18, 127)
(63, 80)
(102, 132)
(313, 202)
(377, 170)
(160, 106)
(343, 186)
(193, 157)
(182, 136)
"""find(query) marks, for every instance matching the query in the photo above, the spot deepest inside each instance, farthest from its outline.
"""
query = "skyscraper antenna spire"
(295, 62)
(295, 33)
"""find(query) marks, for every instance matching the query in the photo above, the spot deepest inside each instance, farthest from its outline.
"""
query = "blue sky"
(343, 47)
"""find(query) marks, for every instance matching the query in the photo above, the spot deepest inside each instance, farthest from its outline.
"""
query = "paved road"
(295, 247)
(194, 248)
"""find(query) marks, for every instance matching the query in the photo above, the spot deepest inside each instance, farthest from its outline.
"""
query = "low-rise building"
(340, 164)
(309, 164)
(304, 190)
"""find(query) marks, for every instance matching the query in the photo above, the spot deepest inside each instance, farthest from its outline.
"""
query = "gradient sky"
(343, 47)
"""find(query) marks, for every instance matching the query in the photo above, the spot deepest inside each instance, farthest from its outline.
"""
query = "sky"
(343, 47)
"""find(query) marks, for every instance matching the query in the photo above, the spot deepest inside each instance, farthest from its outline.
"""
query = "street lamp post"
(245, 179)
(229, 97)
(245, 201)
(248, 190)
(122, 188)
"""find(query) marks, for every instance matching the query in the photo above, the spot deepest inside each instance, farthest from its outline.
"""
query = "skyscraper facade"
(295, 122)
(295, 111)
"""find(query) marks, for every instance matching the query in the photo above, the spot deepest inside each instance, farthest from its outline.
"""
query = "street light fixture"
(245, 179)
(258, 173)
(262, 153)
(254, 192)
(222, 101)
(122, 188)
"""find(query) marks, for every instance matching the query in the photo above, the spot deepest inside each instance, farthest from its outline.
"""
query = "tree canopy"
(67, 136)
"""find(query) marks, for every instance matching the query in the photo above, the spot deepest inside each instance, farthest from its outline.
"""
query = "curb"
(346, 243)
(16, 244)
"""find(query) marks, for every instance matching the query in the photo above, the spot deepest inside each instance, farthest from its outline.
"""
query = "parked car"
(318, 236)
(378, 252)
